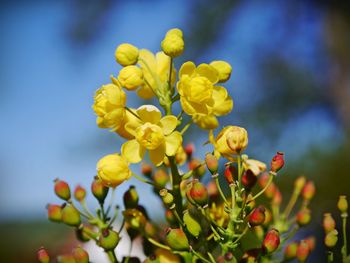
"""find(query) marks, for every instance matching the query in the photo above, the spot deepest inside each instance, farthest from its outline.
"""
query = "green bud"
(67, 258)
(342, 204)
(108, 239)
(54, 213)
(80, 255)
(99, 190)
(62, 189)
(192, 225)
(81, 235)
(43, 255)
(331, 239)
(131, 198)
(303, 217)
(290, 252)
(212, 163)
(160, 178)
(135, 218)
(177, 239)
(70, 215)
(167, 197)
(169, 216)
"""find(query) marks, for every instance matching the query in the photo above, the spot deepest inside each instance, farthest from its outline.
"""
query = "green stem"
(241, 235)
(233, 196)
(111, 201)
(264, 189)
(239, 164)
(200, 256)
(170, 70)
(211, 257)
(112, 256)
(290, 234)
(188, 124)
(156, 243)
(291, 203)
(142, 179)
(176, 180)
(216, 179)
(345, 242)
(86, 209)
(177, 216)
(329, 256)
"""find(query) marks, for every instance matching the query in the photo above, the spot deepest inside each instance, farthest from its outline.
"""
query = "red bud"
(328, 222)
(79, 193)
(80, 255)
(146, 169)
(249, 180)
(99, 190)
(189, 149)
(197, 167)
(308, 191)
(277, 198)
(169, 216)
(257, 217)
(277, 162)
(43, 255)
(303, 217)
(303, 251)
(271, 241)
(311, 241)
(199, 193)
(160, 178)
(177, 239)
(62, 189)
(54, 213)
(212, 163)
(229, 174)
(213, 191)
(290, 252)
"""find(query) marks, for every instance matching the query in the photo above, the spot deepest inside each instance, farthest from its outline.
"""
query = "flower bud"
(328, 223)
(277, 162)
(331, 238)
(146, 169)
(249, 180)
(79, 193)
(311, 241)
(299, 183)
(108, 239)
(308, 191)
(99, 190)
(213, 191)
(81, 235)
(169, 216)
(54, 213)
(193, 227)
(70, 215)
(290, 251)
(189, 149)
(229, 173)
(199, 193)
(43, 255)
(80, 255)
(231, 140)
(257, 217)
(167, 197)
(277, 198)
(303, 217)
(150, 230)
(177, 239)
(160, 178)
(131, 198)
(303, 251)
(135, 218)
(223, 68)
(212, 163)
(342, 204)
(126, 54)
(173, 44)
(268, 217)
(197, 167)
(271, 241)
(131, 77)
(251, 256)
(66, 258)
(62, 189)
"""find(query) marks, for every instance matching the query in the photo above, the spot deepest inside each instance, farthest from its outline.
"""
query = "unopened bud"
(342, 204)
(135, 218)
(303, 251)
(277, 162)
(146, 169)
(169, 216)
(328, 223)
(81, 235)
(268, 217)
(108, 239)
(199, 193)
(257, 217)
(131, 198)
(290, 252)
(43, 255)
(331, 238)
(299, 183)
(167, 197)
(177, 239)
(249, 180)
(197, 167)
(193, 227)
(229, 174)
(189, 149)
(271, 241)
(271, 190)
(54, 213)
(160, 178)
(212, 163)
(79, 193)
(62, 189)
(66, 258)
(80, 255)
(99, 190)
(277, 198)
(150, 230)
(70, 215)
(303, 217)
(228, 256)
(311, 241)
(308, 191)
(212, 189)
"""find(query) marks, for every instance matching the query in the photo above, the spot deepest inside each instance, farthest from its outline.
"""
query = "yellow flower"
(126, 54)
(109, 106)
(224, 69)
(155, 70)
(165, 256)
(255, 166)
(131, 77)
(131, 121)
(173, 44)
(113, 170)
(230, 140)
(155, 134)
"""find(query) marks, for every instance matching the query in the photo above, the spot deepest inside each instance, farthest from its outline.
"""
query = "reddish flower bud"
(303, 217)
(311, 241)
(160, 178)
(54, 213)
(249, 180)
(199, 193)
(79, 193)
(308, 191)
(212, 163)
(108, 239)
(303, 251)
(131, 198)
(268, 217)
(70, 215)
(169, 216)
(197, 167)
(277, 198)
(299, 183)
(80, 255)
(135, 218)
(270, 192)
(342, 204)
(328, 222)
(43, 255)
(290, 252)
(62, 189)
(331, 238)
(229, 173)
(150, 230)
(177, 239)
(277, 162)
(257, 217)
(271, 241)
(167, 197)
(189, 149)
(213, 191)
(99, 190)
(146, 169)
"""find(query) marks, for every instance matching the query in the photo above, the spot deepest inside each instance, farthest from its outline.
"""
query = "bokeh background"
(290, 84)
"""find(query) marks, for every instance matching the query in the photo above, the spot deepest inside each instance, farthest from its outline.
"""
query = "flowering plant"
(204, 223)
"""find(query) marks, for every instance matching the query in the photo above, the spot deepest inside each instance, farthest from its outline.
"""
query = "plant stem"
(156, 243)
(176, 180)
(200, 256)
(239, 164)
(291, 203)
(233, 196)
(188, 124)
(112, 256)
(264, 189)
(142, 179)
(344, 249)
(216, 179)
(329, 256)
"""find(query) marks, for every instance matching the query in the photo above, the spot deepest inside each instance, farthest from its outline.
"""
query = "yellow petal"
(168, 124)
(132, 151)
(145, 92)
(207, 122)
(223, 103)
(149, 113)
(209, 72)
(187, 68)
(157, 155)
(172, 143)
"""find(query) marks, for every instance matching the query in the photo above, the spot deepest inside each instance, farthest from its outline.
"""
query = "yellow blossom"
(255, 166)
(165, 256)
(224, 69)
(173, 44)
(155, 134)
(109, 106)
(131, 77)
(131, 121)
(126, 54)
(113, 170)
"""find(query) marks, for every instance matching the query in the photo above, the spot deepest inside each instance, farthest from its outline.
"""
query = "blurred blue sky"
(47, 84)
